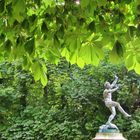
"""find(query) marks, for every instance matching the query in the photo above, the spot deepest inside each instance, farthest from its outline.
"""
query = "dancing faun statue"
(107, 94)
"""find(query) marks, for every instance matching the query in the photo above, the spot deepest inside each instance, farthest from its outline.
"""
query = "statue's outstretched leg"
(116, 104)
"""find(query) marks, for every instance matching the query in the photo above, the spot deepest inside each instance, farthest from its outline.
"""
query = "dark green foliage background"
(70, 107)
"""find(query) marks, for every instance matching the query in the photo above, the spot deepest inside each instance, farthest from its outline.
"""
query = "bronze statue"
(107, 94)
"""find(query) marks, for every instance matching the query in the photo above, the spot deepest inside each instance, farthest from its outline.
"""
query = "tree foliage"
(44, 30)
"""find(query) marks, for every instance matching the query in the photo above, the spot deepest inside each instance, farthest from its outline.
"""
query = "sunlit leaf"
(80, 62)
(43, 78)
(138, 57)
(65, 53)
(137, 68)
(36, 70)
(129, 62)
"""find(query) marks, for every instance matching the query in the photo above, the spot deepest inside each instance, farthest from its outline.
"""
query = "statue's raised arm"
(114, 82)
(113, 89)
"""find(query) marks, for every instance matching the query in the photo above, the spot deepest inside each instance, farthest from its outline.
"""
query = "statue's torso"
(107, 95)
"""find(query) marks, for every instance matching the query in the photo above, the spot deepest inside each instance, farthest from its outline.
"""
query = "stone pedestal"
(109, 136)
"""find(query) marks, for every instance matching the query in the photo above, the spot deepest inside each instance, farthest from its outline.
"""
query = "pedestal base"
(109, 136)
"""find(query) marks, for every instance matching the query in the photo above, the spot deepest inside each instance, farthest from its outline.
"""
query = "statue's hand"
(116, 77)
(117, 86)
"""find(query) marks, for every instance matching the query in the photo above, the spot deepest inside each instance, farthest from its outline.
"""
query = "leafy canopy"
(44, 30)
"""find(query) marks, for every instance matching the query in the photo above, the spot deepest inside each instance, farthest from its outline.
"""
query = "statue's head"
(107, 85)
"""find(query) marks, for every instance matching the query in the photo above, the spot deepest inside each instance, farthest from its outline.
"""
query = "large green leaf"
(85, 53)
(35, 68)
(65, 53)
(43, 78)
(129, 62)
(90, 54)
(80, 62)
(116, 55)
(138, 57)
(39, 72)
